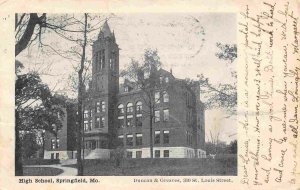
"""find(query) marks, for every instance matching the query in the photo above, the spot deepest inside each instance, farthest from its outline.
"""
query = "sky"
(186, 43)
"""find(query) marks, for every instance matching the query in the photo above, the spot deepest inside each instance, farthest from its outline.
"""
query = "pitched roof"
(105, 30)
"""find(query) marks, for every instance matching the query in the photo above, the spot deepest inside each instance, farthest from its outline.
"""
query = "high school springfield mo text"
(59, 180)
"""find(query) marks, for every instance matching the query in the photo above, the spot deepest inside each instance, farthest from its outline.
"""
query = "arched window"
(129, 107)
(102, 106)
(139, 107)
(120, 109)
(165, 96)
(138, 117)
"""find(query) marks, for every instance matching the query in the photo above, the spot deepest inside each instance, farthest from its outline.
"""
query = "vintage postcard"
(149, 94)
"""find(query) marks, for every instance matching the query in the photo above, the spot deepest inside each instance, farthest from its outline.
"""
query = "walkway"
(67, 171)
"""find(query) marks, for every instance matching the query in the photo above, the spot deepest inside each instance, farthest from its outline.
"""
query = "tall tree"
(30, 145)
(146, 77)
(222, 95)
(35, 108)
(73, 31)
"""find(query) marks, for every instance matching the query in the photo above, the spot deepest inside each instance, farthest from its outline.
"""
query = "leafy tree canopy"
(36, 107)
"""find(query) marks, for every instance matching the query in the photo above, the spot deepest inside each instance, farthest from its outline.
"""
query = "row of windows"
(129, 108)
(166, 115)
(157, 97)
(99, 123)
(138, 154)
(166, 137)
(100, 107)
(54, 143)
(139, 138)
(139, 119)
(129, 139)
(100, 60)
(56, 156)
(165, 154)
(129, 121)
(162, 79)
(93, 144)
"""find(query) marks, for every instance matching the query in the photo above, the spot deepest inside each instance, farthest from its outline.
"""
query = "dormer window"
(167, 79)
(160, 79)
(126, 89)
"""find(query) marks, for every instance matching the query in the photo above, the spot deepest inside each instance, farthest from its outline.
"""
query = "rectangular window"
(97, 124)
(129, 121)
(166, 153)
(161, 79)
(139, 108)
(53, 144)
(157, 97)
(120, 109)
(86, 114)
(166, 115)
(121, 121)
(126, 89)
(91, 124)
(91, 113)
(86, 125)
(139, 139)
(156, 116)
(166, 137)
(156, 137)
(129, 140)
(103, 58)
(138, 154)
(129, 154)
(167, 79)
(98, 107)
(121, 140)
(129, 108)
(57, 143)
(57, 155)
(102, 106)
(138, 121)
(102, 122)
(157, 153)
(165, 97)
(187, 137)
(52, 156)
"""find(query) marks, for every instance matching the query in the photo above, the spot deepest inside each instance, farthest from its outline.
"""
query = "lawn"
(41, 171)
(162, 167)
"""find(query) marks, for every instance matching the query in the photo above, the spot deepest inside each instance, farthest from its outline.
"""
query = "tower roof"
(105, 30)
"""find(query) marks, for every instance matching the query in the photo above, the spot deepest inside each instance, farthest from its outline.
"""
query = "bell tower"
(105, 71)
(105, 86)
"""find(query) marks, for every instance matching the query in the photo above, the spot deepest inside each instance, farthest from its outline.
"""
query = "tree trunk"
(80, 99)
(18, 149)
(26, 37)
(151, 133)
(43, 139)
(79, 135)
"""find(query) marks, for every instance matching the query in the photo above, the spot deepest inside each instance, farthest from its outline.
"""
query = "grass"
(162, 167)
(41, 171)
